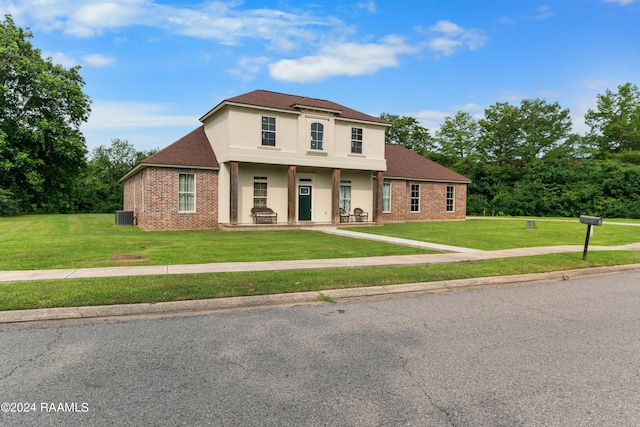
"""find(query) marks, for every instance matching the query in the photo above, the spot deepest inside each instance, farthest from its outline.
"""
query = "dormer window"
(317, 136)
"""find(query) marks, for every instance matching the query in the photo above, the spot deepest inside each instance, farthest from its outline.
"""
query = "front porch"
(300, 196)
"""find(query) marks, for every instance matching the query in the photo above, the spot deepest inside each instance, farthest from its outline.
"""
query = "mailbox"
(591, 220)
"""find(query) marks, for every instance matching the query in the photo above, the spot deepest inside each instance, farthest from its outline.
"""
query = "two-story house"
(308, 160)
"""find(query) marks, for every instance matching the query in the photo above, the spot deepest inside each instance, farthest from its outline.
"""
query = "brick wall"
(153, 196)
(433, 206)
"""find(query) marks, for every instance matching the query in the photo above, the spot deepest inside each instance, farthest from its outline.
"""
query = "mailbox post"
(590, 221)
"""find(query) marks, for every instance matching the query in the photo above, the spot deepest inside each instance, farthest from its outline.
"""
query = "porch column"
(335, 197)
(377, 197)
(233, 193)
(291, 195)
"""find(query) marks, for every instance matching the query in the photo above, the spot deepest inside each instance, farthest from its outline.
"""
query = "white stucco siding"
(361, 190)
(236, 135)
(276, 190)
(218, 133)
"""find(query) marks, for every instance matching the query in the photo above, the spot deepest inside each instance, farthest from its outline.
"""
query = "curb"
(173, 307)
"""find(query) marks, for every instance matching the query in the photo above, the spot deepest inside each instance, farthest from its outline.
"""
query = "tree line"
(45, 166)
(525, 160)
(522, 159)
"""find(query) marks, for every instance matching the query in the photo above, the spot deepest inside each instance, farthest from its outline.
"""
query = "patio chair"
(344, 215)
(361, 216)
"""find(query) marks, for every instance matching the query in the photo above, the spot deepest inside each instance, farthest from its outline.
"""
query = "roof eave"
(141, 166)
(385, 124)
(405, 178)
(239, 104)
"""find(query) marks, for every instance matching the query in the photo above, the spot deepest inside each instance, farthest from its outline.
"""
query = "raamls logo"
(64, 407)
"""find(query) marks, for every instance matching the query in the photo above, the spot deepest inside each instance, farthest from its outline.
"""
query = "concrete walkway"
(394, 240)
(453, 254)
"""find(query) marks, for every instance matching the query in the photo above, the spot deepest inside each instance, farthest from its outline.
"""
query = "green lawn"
(150, 289)
(75, 241)
(493, 234)
(80, 241)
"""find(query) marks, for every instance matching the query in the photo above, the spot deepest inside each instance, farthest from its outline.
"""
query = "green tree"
(457, 141)
(543, 127)
(102, 191)
(500, 133)
(615, 123)
(42, 106)
(408, 132)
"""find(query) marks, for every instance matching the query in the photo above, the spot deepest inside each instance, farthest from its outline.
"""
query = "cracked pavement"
(562, 352)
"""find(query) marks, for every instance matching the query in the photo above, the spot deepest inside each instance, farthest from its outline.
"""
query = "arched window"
(317, 136)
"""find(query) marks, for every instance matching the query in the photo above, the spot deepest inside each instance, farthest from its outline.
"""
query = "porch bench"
(264, 216)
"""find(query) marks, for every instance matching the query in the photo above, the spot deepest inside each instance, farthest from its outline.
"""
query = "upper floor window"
(415, 197)
(269, 131)
(186, 192)
(317, 136)
(356, 140)
(451, 196)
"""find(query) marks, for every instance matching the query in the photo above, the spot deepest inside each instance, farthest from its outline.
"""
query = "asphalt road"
(565, 353)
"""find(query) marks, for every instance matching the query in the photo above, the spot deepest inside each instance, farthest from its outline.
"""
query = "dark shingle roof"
(193, 149)
(282, 101)
(404, 163)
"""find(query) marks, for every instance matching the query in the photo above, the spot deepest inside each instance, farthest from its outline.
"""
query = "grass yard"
(92, 240)
(150, 289)
(75, 241)
(493, 234)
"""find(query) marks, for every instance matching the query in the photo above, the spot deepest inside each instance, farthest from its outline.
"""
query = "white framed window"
(345, 195)
(186, 192)
(356, 140)
(259, 191)
(386, 197)
(415, 197)
(268, 131)
(451, 197)
(317, 136)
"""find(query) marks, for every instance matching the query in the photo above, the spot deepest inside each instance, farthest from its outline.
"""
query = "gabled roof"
(294, 103)
(191, 151)
(403, 163)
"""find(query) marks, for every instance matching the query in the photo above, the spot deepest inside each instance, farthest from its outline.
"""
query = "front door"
(304, 203)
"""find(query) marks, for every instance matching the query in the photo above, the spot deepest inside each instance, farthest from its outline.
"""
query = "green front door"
(304, 203)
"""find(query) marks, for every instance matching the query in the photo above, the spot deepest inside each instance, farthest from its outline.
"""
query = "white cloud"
(595, 84)
(369, 6)
(60, 59)
(433, 119)
(98, 60)
(622, 2)
(543, 12)
(94, 18)
(350, 59)
(247, 67)
(447, 38)
(127, 114)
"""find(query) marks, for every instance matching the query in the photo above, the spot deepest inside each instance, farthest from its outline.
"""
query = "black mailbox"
(591, 220)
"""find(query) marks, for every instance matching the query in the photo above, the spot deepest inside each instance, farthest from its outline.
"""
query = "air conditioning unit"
(124, 217)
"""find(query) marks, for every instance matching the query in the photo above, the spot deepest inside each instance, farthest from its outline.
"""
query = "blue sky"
(153, 67)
